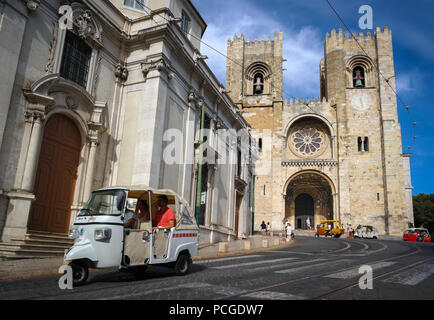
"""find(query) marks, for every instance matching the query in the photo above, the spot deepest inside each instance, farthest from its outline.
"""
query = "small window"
(76, 59)
(185, 22)
(378, 196)
(135, 4)
(363, 144)
(260, 144)
(258, 84)
(358, 77)
(366, 144)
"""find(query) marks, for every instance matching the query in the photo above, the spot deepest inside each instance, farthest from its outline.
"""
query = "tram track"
(281, 284)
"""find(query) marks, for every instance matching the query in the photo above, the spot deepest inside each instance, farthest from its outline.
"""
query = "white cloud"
(409, 82)
(303, 47)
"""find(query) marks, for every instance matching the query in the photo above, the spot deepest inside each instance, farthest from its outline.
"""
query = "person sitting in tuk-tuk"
(130, 219)
(142, 210)
(164, 217)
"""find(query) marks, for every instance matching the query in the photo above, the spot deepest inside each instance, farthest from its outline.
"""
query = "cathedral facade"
(338, 156)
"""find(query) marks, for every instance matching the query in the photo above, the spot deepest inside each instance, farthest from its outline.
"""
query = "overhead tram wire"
(407, 107)
(146, 8)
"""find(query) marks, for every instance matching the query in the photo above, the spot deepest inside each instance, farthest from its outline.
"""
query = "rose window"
(307, 141)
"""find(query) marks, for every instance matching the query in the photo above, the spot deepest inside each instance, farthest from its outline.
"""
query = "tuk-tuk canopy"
(183, 213)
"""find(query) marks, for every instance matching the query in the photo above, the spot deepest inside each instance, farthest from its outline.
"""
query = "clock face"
(361, 101)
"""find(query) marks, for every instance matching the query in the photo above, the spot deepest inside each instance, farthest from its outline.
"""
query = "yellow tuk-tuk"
(330, 228)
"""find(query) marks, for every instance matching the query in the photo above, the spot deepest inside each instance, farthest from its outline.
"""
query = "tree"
(423, 209)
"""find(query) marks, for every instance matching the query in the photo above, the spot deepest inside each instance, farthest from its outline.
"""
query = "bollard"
(265, 243)
(276, 241)
(247, 245)
(223, 247)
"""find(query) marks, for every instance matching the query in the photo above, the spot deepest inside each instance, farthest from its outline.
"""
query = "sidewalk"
(14, 269)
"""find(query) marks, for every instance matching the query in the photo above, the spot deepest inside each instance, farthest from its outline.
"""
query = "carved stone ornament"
(121, 72)
(159, 65)
(83, 24)
(71, 103)
(32, 5)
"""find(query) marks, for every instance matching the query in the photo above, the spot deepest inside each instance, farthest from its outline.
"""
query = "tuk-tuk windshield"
(109, 202)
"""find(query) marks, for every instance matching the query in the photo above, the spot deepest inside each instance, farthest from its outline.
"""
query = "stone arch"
(251, 74)
(319, 187)
(364, 63)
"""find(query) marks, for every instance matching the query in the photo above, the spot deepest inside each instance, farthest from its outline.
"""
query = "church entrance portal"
(308, 195)
(56, 176)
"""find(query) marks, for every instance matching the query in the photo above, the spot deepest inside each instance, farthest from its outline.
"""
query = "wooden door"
(56, 176)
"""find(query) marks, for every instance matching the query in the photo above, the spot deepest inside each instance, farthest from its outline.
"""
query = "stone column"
(96, 128)
(21, 196)
(92, 143)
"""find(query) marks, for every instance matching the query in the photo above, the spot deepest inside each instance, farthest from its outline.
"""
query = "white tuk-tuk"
(102, 241)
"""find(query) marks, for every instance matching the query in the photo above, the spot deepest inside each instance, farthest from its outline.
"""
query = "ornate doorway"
(56, 176)
(309, 194)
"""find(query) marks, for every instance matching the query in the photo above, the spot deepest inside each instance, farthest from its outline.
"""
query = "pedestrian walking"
(289, 232)
(308, 223)
(268, 230)
(263, 228)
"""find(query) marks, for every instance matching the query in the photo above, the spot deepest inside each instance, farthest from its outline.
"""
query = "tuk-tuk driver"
(164, 217)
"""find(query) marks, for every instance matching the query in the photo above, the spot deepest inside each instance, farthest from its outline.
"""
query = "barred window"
(76, 59)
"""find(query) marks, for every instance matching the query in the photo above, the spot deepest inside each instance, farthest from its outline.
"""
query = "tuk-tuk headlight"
(74, 233)
(103, 234)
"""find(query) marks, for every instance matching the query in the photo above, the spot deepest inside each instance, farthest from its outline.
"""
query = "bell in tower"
(258, 85)
(358, 79)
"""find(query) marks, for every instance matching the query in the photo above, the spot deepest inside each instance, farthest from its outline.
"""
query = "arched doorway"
(309, 194)
(56, 176)
(304, 209)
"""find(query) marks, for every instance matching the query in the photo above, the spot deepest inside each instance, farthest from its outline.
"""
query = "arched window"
(360, 72)
(358, 77)
(258, 79)
(258, 84)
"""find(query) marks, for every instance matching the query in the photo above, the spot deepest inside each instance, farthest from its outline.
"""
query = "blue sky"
(305, 24)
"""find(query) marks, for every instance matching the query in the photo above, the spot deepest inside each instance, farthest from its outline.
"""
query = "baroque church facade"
(96, 94)
(335, 157)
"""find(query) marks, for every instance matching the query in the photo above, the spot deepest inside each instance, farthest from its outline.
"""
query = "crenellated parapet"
(278, 36)
(312, 102)
(345, 39)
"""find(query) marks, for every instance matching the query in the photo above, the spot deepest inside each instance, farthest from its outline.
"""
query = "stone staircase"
(36, 245)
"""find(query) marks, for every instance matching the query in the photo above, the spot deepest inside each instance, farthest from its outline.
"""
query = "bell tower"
(254, 73)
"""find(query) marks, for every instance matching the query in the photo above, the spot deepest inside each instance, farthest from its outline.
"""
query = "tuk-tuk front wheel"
(80, 273)
(182, 265)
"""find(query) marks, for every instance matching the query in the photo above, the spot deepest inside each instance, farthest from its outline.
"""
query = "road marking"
(352, 273)
(227, 259)
(312, 266)
(413, 276)
(283, 265)
(271, 295)
(347, 246)
(252, 263)
(294, 252)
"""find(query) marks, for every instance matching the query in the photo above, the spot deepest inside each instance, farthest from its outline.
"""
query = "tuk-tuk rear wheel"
(80, 273)
(182, 265)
